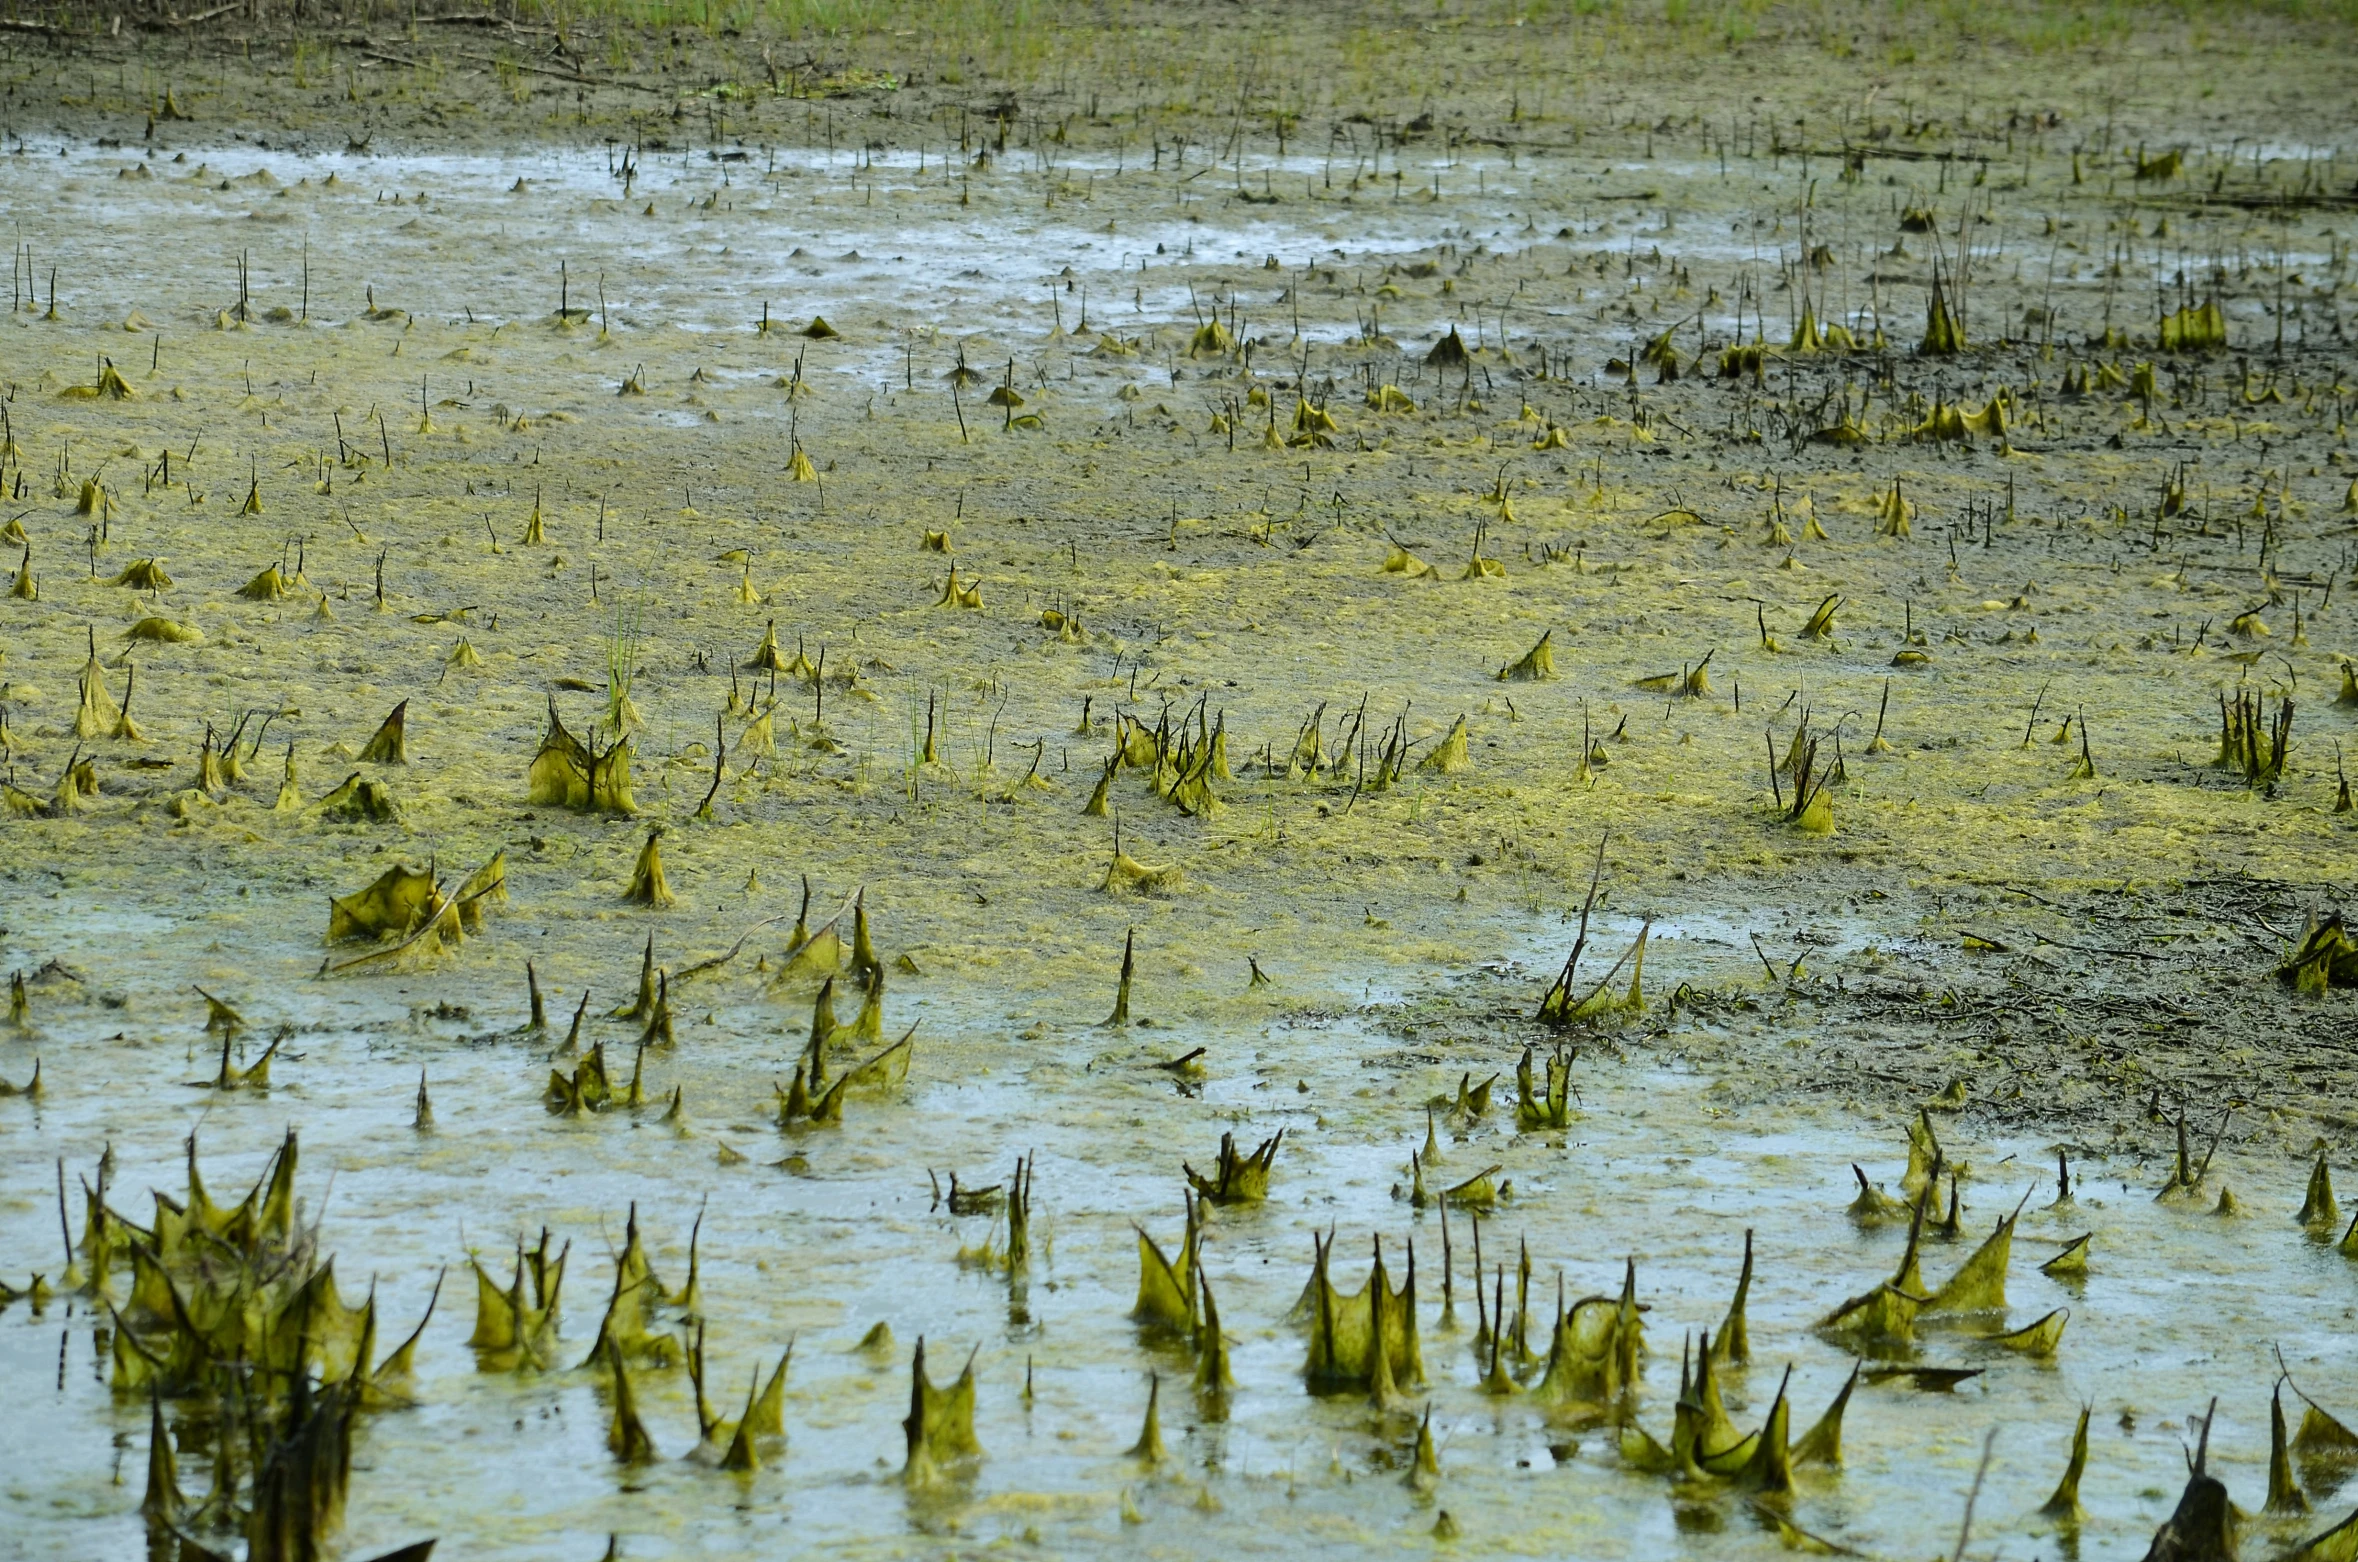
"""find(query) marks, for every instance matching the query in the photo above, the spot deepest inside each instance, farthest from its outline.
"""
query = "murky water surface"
(815, 1237)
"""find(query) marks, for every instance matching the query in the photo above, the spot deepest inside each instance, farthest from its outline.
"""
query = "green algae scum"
(1627, 836)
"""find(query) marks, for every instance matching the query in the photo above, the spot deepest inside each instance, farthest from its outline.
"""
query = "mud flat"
(772, 628)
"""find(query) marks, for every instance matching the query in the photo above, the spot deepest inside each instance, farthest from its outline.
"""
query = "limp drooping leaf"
(1822, 1443)
(626, 1434)
(1720, 1448)
(2038, 1338)
(767, 1417)
(2323, 1439)
(2072, 1262)
(1533, 665)
(648, 887)
(1874, 1207)
(1979, 1285)
(1734, 1343)
(1366, 1340)
(1213, 1377)
(2284, 1492)
(940, 1424)
(886, 1070)
(2318, 1207)
(2064, 1506)
(743, 1454)
(1925, 1156)
(1539, 1106)
(1887, 1314)
(401, 899)
(1237, 1179)
(2338, 1544)
(1562, 1006)
(1149, 1447)
(390, 745)
(486, 887)
(1166, 1289)
(162, 1505)
(567, 773)
(1584, 1358)
(1770, 1469)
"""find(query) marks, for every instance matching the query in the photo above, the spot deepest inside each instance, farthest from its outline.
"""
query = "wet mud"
(1185, 559)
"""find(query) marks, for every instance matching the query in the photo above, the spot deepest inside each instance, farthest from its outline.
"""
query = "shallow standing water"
(2179, 1304)
(817, 1236)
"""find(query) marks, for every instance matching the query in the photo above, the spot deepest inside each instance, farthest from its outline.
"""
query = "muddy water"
(804, 231)
(2179, 1304)
(816, 1237)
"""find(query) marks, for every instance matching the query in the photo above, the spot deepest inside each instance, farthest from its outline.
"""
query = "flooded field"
(738, 636)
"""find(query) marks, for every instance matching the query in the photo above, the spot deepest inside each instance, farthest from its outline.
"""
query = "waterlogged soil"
(492, 392)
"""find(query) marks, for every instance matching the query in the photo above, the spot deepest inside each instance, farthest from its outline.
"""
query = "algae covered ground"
(1192, 555)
